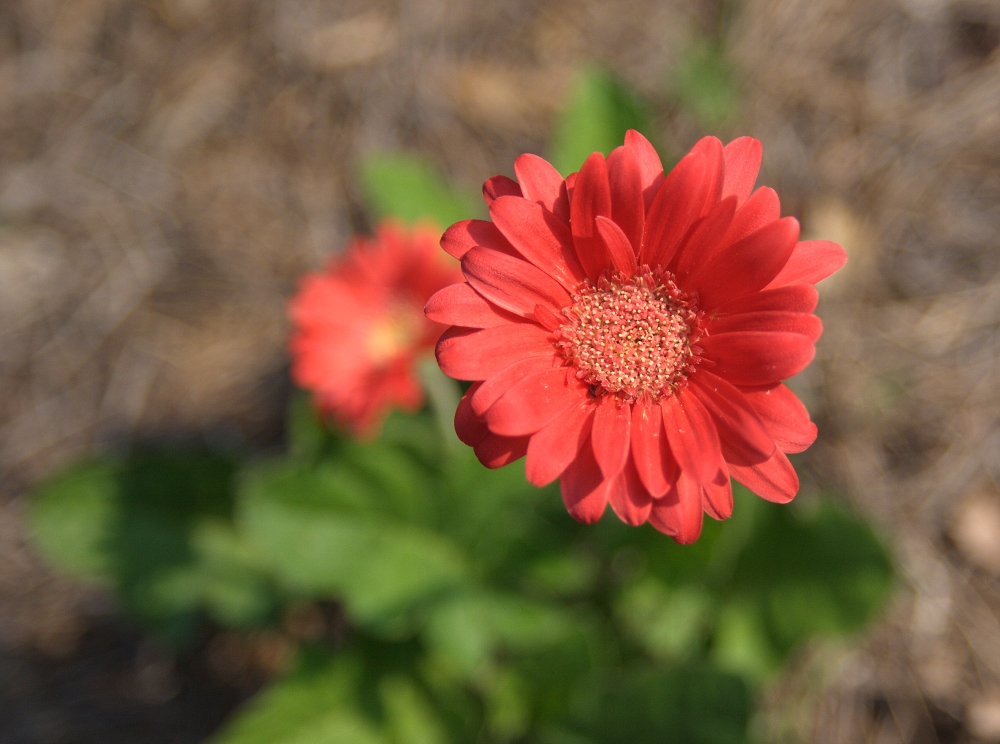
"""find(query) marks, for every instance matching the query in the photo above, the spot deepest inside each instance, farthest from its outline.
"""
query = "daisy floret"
(629, 330)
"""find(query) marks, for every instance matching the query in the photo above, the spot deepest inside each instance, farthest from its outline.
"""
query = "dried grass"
(883, 117)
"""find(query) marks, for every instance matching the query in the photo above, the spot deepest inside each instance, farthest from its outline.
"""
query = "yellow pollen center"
(629, 337)
(393, 333)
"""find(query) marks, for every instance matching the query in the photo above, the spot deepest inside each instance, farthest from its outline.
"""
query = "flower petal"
(460, 305)
(786, 419)
(711, 148)
(471, 429)
(718, 499)
(495, 451)
(751, 358)
(746, 266)
(762, 208)
(811, 261)
(540, 182)
(475, 355)
(673, 210)
(715, 158)
(610, 440)
(650, 167)
(628, 497)
(540, 237)
(554, 447)
(547, 318)
(617, 246)
(591, 197)
(705, 239)
(512, 283)
(584, 490)
(570, 184)
(693, 438)
(463, 236)
(490, 390)
(534, 402)
(499, 186)
(768, 321)
(774, 480)
(628, 209)
(680, 513)
(742, 157)
(650, 450)
(741, 431)
(796, 298)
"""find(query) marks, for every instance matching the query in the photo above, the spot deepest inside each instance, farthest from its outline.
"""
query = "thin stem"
(443, 394)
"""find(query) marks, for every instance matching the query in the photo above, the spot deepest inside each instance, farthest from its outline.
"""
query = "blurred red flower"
(359, 326)
(629, 331)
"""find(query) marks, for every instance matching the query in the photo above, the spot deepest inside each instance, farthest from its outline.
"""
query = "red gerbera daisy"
(359, 326)
(629, 331)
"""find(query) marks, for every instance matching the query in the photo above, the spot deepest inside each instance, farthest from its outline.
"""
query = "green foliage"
(378, 566)
(407, 187)
(72, 516)
(479, 610)
(670, 622)
(305, 433)
(599, 112)
(315, 706)
(682, 705)
(156, 526)
(757, 585)
(705, 86)
(800, 576)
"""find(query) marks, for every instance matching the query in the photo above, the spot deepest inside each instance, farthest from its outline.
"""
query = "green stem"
(443, 394)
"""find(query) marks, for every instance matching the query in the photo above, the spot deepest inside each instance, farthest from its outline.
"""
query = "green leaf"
(524, 626)
(705, 85)
(153, 527)
(232, 583)
(466, 628)
(563, 574)
(458, 640)
(797, 573)
(416, 434)
(678, 565)
(164, 496)
(742, 644)
(493, 513)
(508, 705)
(820, 572)
(670, 623)
(327, 485)
(71, 518)
(407, 187)
(379, 567)
(315, 707)
(306, 435)
(599, 112)
(754, 586)
(410, 718)
(680, 705)
(398, 484)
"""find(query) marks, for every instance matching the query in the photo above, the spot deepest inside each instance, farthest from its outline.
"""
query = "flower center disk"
(629, 337)
(393, 333)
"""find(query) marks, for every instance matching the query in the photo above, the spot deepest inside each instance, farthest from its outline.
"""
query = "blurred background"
(170, 168)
